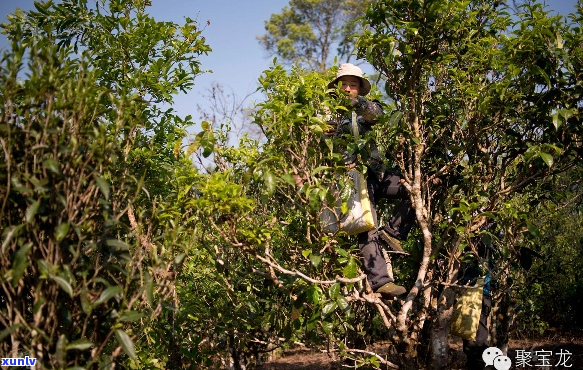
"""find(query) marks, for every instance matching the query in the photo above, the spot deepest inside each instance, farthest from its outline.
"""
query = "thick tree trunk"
(502, 319)
(440, 330)
(238, 361)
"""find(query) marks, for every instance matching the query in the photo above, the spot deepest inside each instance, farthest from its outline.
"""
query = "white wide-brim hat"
(348, 69)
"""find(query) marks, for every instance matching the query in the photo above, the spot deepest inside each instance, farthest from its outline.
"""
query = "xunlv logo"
(18, 361)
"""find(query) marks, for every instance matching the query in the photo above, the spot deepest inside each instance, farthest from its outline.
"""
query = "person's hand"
(332, 130)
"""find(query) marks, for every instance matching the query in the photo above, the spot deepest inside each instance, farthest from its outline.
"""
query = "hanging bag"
(467, 311)
(359, 217)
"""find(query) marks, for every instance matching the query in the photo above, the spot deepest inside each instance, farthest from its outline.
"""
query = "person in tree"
(381, 182)
(479, 266)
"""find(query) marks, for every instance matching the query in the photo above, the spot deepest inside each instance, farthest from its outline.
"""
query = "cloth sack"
(359, 217)
(466, 312)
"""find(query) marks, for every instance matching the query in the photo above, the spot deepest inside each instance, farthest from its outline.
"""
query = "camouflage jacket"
(367, 113)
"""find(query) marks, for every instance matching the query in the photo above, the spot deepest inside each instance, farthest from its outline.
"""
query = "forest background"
(117, 249)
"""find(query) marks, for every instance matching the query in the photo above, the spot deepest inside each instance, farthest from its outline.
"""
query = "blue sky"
(237, 60)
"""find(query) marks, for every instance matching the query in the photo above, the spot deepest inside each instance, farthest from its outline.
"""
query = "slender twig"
(379, 357)
(307, 278)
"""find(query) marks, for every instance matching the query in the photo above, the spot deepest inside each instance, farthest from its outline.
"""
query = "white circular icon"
(502, 363)
(490, 354)
(494, 356)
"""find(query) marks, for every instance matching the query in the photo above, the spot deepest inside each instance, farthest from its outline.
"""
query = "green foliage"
(116, 250)
(491, 106)
(305, 32)
(472, 106)
(271, 271)
(86, 260)
(61, 211)
(553, 271)
(132, 52)
(467, 132)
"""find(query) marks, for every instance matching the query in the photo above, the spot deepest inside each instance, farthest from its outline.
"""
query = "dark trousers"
(399, 225)
(475, 348)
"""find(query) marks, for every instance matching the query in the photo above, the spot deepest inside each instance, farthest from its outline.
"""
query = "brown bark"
(440, 330)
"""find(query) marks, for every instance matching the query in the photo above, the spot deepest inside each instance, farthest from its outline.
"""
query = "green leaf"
(208, 143)
(313, 321)
(344, 208)
(19, 187)
(547, 158)
(313, 294)
(269, 179)
(85, 302)
(315, 259)
(320, 169)
(342, 303)
(327, 327)
(395, 118)
(351, 269)
(61, 231)
(179, 258)
(542, 73)
(195, 145)
(12, 232)
(334, 291)
(328, 309)
(9, 330)
(64, 284)
(31, 211)
(342, 252)
(374, 361)
(487, 238)
(61, 352)
(567, 113)
(505, 251)
(149, 290)
(117, 244)
(52, 165)
(556, 121)
(533, 229)
(488, 214)
(43, 267)
(130, 316)
(329, 144)
(126, 343)
(103, 186)
(80, 344)
(20, 263)
(288, 178)
(107, 294)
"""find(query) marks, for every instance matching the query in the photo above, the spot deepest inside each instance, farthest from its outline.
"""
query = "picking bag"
(467, 311)
(359, 217)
